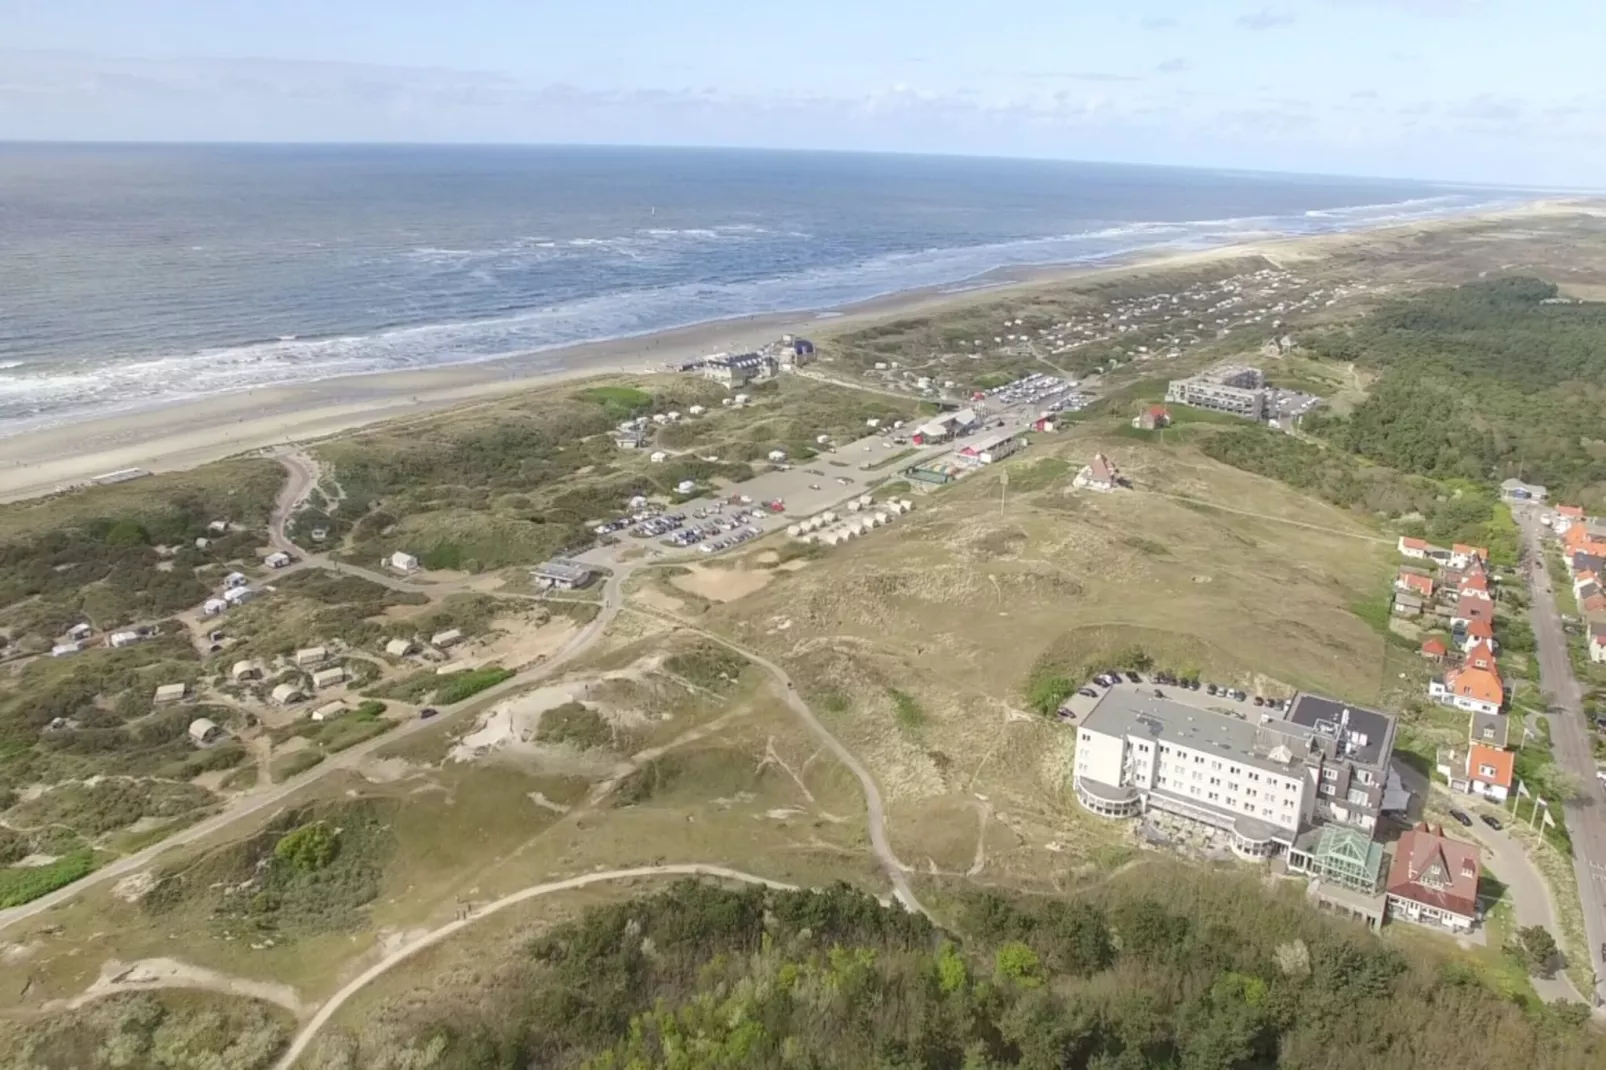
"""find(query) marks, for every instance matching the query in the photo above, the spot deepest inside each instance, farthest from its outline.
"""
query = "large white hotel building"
(1260, 774)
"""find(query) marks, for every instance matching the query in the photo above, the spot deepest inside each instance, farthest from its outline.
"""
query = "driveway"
(1586, 815)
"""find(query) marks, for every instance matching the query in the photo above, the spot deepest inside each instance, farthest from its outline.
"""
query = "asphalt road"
(1586, 815)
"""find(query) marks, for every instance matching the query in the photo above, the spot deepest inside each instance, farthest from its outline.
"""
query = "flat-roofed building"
(1230, 388)
(1261, 776)
(562, 573)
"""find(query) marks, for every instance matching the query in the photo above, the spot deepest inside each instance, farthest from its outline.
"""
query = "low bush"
(24, 884)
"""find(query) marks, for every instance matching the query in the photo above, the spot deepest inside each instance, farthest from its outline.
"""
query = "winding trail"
(335, 1002)
(875, 809)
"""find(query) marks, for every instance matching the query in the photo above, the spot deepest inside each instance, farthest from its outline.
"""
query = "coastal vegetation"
(516, 481)
(111, 556)
(1492, 379)
(171, 1030)
(1165, 966)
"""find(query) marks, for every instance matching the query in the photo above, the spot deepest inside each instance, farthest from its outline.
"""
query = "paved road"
(1586, 815)
(430, 939)
(1529, 896)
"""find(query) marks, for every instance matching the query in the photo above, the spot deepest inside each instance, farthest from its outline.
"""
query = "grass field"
(922, 649)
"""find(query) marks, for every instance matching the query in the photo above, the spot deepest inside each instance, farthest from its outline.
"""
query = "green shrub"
(309, 847)
(24, 884)
(458, 686)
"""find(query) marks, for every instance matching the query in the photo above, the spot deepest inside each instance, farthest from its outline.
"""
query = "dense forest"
(1162, 967)
(1488, 380)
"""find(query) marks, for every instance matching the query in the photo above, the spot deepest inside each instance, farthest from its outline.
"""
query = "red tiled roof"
(1471, 551)
(1576, 511)
(1158, 410)
(1481, 656)
(1435, 648)
(1503, 762)
(1480, 685)
(1414, 582)
(1472, 607)
(1413, 544)
(1102, 469)
(1479, 628)
(1449, 867)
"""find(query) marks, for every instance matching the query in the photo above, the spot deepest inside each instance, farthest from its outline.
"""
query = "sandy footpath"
(188, 434)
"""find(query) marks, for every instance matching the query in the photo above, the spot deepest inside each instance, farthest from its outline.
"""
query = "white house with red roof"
(1413, 581)
(1420, 549)
(1597, 642)
(1461, 554)
(1434, 880)
(1565, 517)
(1101, 475)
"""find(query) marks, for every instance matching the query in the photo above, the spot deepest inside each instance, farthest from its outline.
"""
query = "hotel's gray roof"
(1138, 712)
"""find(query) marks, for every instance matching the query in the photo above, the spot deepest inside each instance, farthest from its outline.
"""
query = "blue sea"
(133, 276)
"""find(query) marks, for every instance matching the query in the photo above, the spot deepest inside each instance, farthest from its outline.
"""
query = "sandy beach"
(188, 434)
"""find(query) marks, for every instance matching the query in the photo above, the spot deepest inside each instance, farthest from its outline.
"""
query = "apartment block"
(1231, 388)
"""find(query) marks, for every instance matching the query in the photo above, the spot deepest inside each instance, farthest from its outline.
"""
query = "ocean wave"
(40, 393)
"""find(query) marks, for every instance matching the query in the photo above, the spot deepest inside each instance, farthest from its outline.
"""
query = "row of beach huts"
(865, 515)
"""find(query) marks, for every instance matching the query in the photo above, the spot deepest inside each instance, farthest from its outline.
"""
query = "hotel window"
(1214, 796)
(1232, 802)
(1251, 793)
(1329, 773)
(1216, 766)
(1215, 782)
(1235, 771)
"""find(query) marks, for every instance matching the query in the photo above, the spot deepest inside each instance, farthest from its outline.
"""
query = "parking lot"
(808, 487)
(1203, 694)
(1288, 406)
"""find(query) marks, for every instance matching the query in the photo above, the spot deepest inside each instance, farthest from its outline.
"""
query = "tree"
(307, 848)
(1020, 964)
(1537, 949)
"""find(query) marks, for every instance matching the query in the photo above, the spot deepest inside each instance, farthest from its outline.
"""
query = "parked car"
(1259, 701)
(1461, 817)
(1134, 677)
(427, 712)
(1088, 691)
(1492, 822)
(1210, 689)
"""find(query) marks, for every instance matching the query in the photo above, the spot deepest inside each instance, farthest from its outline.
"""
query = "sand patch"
(148, 974)
(518, 642)
(135, 886)
(722, 584)
(385, 770)
(655, 598)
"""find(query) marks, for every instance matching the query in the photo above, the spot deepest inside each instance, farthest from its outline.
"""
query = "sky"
(1479, 91)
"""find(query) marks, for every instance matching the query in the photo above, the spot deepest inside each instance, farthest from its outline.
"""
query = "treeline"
(1166, 968)
(1444, 512)
(1481, 382)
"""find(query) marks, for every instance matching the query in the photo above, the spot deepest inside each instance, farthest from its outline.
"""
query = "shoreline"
(187, 434)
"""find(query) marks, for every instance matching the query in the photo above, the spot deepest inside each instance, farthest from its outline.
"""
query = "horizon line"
(6, 143)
